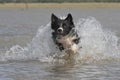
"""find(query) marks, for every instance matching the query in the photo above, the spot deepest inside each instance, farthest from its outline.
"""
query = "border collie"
(64, 34)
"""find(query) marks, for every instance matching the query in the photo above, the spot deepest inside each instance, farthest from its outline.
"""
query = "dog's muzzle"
(60, 30)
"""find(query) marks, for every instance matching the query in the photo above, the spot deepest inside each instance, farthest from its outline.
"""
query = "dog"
(64, 34)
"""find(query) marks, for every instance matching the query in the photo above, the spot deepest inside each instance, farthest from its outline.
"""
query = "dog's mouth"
(62, 33)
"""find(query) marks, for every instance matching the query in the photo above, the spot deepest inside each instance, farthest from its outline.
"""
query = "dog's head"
(62, 26)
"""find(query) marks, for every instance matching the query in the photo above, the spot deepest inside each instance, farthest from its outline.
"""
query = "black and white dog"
(64, 34)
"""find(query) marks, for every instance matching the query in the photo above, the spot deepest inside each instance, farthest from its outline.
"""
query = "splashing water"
(97, 44)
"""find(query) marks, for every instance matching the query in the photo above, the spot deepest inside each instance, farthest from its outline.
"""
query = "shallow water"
(26, 52)
(34, 70)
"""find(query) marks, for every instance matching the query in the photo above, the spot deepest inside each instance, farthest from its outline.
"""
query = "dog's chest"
(68, 43)
(65, 41)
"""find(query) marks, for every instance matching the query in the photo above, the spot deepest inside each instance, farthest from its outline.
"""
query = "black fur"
(62, 27)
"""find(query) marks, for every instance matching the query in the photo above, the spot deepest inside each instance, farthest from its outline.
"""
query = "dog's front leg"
(54, 36)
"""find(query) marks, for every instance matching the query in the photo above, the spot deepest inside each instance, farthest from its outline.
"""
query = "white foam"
(97, 44)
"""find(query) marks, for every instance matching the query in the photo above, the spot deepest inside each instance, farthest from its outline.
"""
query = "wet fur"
(68, 38)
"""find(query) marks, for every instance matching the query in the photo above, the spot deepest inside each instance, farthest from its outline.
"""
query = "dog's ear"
(69, 18)
(53, 18)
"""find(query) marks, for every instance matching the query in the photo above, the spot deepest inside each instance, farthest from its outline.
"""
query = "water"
(27, 51)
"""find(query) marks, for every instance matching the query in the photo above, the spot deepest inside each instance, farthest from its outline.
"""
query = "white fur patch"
(68, 44)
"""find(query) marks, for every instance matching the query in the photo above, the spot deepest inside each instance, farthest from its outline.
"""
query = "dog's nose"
(59, 30)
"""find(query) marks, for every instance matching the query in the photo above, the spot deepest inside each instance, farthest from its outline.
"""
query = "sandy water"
(27, 51)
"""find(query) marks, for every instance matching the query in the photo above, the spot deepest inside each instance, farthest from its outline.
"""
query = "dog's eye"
(57, 25)
(64, 25)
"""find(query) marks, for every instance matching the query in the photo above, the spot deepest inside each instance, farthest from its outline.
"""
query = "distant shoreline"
(60, 5)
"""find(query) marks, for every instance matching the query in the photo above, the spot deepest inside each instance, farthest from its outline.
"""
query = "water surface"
(25, 45)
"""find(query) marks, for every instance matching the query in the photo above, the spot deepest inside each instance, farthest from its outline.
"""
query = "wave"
(97, 44)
